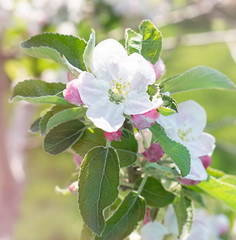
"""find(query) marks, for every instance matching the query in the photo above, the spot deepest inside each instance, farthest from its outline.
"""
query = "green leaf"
(34, 128)
(126, 148)
(220, 190)
(65, 116)
(98, 186)
(151, 42)
(63, 136)
(184, 213)
(229, 179)
(90, 139)
(53, 46)
(133, 41)
(177, 152)
(215, 172)
(155, 195)
(200, 77)
(44, 121)
(166, 111)
(89, 50)
(125, 219)
(37, 91)
(194, 196)
(169, 102)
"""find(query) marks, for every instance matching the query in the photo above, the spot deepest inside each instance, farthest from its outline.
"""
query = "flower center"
(185, 134)
(119, 91)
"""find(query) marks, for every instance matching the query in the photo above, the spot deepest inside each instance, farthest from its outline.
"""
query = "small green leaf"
(166, 111)
(34, 128)
(89, 50)
(169, 102)
(37, 91)
(44, 121)
(200, 77)
(177, 152)
(155, 195)
(125, 219)
(127, 148)
(133, 41)
(53, 46)
(151, 42)
(220, 190)
(65, 116)
(184, 213)
(98, 186)
(63, 136)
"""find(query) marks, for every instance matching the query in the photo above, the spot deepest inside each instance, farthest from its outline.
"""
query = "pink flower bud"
(78, 160)
(145, 120)
(74, 188)
(147, 218)
(206, 161)
(71, 93)
(70, 77)
(111, 136)
(154, 153)
(159, 68)
(188, 182)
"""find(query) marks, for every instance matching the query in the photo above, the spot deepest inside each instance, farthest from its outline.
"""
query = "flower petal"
(197, 170)
(111, 136)
(136, 70)
(91, 90)
(138, 103)
(203, 145)
(105, 58)
(191, 115)
(106, 115)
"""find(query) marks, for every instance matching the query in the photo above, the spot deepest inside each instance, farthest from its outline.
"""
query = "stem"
(108, 144)
(140, 189)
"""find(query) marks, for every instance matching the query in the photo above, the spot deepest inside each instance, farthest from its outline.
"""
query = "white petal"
(91, 90)
(106, 115)
(137, 103)
(136, 70)
(153, 231)
(197, 171)
(105, 58)
(203, 145)
(191, 115)
(170, 220)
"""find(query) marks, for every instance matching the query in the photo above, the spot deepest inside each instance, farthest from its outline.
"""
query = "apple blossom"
(117, 85)
(111, 136)
(71, 93)
(154, 153)
(159, 68)
(186, 127)
(145, 120)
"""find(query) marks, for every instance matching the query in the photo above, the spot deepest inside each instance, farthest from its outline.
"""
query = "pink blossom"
(74, 187)
(188, 182)
(78, 160)
(154, 153)
(111, 136)
(145, 120)
(206, 161)
(159, 68)
(71, 93)
(147, 217)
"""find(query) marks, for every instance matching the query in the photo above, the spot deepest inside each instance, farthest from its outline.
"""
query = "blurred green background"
(199, 32)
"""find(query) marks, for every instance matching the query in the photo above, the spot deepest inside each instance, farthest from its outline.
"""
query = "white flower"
(116, 86)
(153, 231)
(186, 127)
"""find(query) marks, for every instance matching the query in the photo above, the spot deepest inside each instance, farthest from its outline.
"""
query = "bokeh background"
(196, 32)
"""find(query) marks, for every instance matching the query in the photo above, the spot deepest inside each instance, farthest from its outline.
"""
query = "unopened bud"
(154, 153)
(71, 93)
(111, 136)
